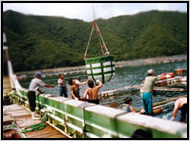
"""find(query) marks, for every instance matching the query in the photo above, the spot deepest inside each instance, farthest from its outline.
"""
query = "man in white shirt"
(34, 86)
(147, 91)
(62, 86)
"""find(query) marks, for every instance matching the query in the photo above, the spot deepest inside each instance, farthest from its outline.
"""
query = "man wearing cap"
(34, 86)
(147, 91)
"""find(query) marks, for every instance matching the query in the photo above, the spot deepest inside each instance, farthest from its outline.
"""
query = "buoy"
(170, 75)
(162, 76)
(166, 75)
(180, 71)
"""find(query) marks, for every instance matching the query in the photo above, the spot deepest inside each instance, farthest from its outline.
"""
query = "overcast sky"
(84, 12)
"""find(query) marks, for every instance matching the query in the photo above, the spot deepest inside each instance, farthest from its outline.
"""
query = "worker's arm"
(175, 110)
(100, 85)
(39, 91)
(158, 78)
(82, 83)
(85, 94)
(132, 109)
(49, 85)
(41, 83)
(73, 96)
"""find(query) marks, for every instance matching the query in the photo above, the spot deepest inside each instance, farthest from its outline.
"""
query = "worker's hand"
(107, 53)
(98, 81)
(37, 93)
(83, 99)
(142, 111)
(76, 98)
(172, 118)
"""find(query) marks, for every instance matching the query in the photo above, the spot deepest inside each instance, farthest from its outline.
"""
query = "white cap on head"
(150, 71)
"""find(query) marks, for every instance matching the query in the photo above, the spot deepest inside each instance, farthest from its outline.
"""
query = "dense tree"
(39, 42)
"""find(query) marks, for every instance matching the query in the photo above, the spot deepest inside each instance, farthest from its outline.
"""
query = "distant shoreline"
(149, 61)
(138, 62)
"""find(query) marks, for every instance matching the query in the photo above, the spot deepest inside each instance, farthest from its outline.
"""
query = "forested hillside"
(40, 42)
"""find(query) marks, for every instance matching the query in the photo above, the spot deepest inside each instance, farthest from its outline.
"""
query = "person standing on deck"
(74, 89)
(147, 91)
(92, 91)
(62, 86)
(34, 86)
(181, 104)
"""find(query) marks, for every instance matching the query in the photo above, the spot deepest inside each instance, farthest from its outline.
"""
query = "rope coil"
(36, 127)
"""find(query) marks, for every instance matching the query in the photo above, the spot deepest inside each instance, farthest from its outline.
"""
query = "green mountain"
(40, 42)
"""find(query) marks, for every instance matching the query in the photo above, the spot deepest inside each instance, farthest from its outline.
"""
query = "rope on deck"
(36, 127)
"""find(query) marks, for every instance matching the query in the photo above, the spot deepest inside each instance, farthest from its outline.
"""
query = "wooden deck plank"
(20, 113)
(23, 119)
(24, 122)
(12, 107)
(50, 135)
(48, 132)
(58, 136)
(7, 118)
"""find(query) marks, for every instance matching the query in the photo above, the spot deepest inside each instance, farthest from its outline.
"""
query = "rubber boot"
(33, 116)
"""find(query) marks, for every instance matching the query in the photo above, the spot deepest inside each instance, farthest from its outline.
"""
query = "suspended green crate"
(100, 68)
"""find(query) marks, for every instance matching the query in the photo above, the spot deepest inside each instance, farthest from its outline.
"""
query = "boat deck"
(23, 119)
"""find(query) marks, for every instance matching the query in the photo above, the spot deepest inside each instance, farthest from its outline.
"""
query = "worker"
(127, 106)
(147, 91)
(92, 91)
(74, 89)
(181, 104)
(62, 86)
(33, 88)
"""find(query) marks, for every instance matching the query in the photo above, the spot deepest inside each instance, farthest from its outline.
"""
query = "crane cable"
(103, 45)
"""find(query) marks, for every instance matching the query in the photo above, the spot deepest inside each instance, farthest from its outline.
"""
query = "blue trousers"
(147, 102)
